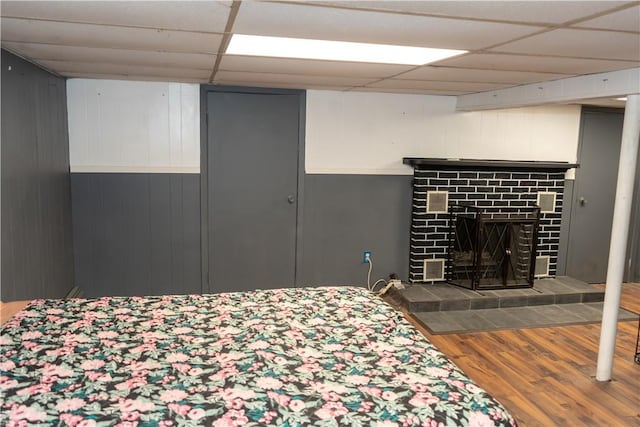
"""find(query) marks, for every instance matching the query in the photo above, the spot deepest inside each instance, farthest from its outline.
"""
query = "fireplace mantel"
(478, 164)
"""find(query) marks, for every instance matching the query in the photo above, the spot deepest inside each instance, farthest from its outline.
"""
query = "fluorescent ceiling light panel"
(624, 98)
(284, 47)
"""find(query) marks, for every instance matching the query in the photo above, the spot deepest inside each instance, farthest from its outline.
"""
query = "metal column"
(619, 236)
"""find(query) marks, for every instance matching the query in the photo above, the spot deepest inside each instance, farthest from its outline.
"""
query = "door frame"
(204, 171)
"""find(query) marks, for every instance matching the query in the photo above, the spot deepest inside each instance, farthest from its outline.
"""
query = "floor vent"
(433, 270)
(547, 201)
(542, 266)
(437, 201)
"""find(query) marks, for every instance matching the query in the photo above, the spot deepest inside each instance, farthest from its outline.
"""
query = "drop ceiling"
(510, 43)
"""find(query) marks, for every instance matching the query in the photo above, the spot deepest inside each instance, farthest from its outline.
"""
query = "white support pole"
(619, 236)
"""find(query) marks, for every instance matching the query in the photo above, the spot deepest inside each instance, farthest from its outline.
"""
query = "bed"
(314, 356)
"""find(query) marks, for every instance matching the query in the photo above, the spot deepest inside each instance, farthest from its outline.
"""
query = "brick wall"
(483, 188)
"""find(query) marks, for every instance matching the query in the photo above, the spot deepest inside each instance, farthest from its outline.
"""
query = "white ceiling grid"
(510, 42)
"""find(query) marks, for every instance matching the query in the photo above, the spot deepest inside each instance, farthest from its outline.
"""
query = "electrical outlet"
(366, 256)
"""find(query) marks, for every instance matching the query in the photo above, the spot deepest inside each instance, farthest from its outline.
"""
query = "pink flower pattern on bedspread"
(290, 357)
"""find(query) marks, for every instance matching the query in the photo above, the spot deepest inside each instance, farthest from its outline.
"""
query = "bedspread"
(313, 356)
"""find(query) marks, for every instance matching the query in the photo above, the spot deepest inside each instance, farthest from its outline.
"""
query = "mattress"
(314, 356)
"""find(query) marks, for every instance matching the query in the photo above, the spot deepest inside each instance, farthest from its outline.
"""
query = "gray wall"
(36, 241)
(139, 234)
(347, 214)
(136, 233)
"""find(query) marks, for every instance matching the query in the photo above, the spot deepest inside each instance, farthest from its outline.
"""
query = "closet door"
(252, 180)
(594, 195)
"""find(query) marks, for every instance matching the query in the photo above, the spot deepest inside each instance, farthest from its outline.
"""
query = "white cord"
(386, 288)
(373, 287)
(369, 285)
(369, 273)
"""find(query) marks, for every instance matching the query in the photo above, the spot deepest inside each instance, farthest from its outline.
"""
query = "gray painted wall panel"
(190, 230)
(136, 234)
(139, 234)
(346, 214)
(36, 204)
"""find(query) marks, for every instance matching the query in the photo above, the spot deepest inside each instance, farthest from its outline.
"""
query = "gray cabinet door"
(594, 195)
(252, 162)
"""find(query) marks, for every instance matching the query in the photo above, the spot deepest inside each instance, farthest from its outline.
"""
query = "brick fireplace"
(439, 184)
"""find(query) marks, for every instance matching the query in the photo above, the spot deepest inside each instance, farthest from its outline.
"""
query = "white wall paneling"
(370, 133)
(126, 126)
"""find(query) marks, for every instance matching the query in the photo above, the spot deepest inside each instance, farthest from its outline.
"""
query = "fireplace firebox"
(492, 248)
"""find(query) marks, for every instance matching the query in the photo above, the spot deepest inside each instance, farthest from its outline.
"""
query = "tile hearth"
(445, 308)
(446, 297)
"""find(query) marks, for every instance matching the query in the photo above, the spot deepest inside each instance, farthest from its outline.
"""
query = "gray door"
(253, 142)
(594, 195)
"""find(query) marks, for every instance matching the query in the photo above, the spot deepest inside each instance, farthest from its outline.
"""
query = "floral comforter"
(319, 356)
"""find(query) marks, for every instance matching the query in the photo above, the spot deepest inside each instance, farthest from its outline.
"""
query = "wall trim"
(403, 171)
(134, 169)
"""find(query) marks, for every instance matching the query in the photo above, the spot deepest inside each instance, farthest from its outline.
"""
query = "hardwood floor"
(545, 376)
(8, 309)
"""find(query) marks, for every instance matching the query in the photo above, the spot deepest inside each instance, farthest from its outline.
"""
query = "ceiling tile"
(578, 43)
(626, 20)
(37, 52)
(548, 64)
(310, 67)
(179, 40)
(61, 33)
(208, 16)
(457, 87)
(294, 79)
(63, 67)
(518, 11)
(474, 75)
(307, 21)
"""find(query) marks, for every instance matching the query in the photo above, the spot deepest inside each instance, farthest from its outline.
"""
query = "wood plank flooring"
(8, 309)
(546, 376)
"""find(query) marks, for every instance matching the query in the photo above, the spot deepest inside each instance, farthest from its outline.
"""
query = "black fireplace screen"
(492, 248)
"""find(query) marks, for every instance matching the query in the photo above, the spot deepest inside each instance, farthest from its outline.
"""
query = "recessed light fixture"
(284, 47)
(624, 98)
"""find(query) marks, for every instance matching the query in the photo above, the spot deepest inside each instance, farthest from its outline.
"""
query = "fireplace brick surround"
(486, 184)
